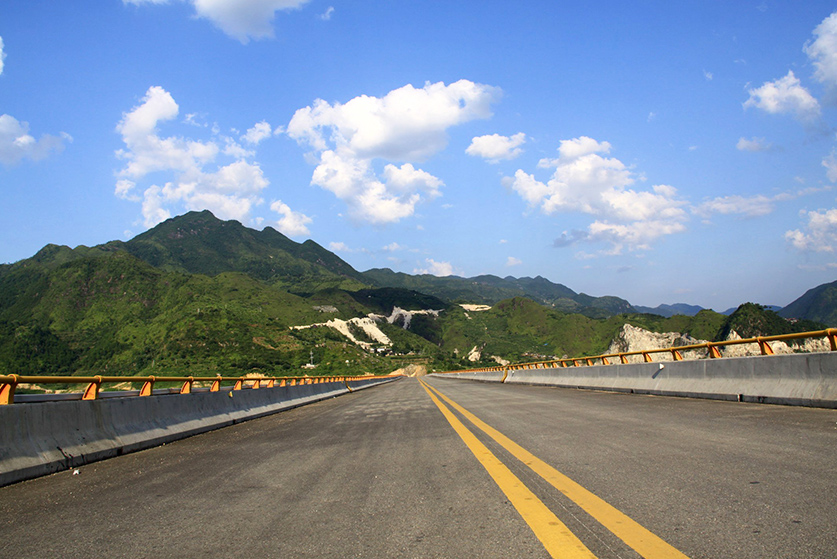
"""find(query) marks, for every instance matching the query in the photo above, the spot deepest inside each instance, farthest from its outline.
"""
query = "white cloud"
(708, 75)
(752, 206)
(495, 147)
(240, 19)
(257, 133)
(819, 234)
(823, 52)
(124, 189)
(195, 180)
(292, 224)
(326, 16)
(584, 181)
(392, 247)
(406, 125)
(753, 144)
(830, 164)
(784, 95)
(440, 269)
(17, 144)
(152, 207)
(512, 261)
(338, 247)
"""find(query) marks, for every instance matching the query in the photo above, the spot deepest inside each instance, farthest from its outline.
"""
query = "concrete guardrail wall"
(41, 438)
(808, 379)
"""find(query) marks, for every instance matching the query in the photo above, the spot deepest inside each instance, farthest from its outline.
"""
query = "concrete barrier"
(41, 438)
(808, 379)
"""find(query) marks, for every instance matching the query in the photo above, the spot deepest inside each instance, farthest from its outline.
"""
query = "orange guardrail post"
(147, 387)
(7, 391)
(271, 383)
(647, 357)
(605, 361)
(92, 390)
(676, 355)
(216, 385)
(831, 334)
(623, 358)
(714, 352)
(187, 386)
(238, 384)
(764, 346)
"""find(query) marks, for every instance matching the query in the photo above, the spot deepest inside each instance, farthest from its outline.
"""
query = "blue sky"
(658, 151)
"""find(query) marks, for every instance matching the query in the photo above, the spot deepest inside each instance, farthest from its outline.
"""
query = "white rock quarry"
(367, 324)
(407, 316)
(475, 308)
(475, 354)
(631, 338)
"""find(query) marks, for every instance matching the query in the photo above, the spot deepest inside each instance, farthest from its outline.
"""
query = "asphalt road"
(384, 473)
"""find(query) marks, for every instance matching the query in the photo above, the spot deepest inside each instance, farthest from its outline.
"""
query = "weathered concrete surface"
(802, 379)
(41, 438)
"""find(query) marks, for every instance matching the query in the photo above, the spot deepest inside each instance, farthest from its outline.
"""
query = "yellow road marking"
(558, 540)
(639, 538)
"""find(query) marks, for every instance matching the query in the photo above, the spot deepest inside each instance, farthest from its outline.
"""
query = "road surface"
(457, 469)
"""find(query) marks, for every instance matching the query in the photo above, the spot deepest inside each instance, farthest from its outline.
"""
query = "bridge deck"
(382, 473)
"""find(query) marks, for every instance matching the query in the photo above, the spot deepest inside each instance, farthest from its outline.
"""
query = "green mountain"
(200, 296)
(751, 320)
(520, 329)
(819, 304)
(200, 243)
(115, 314)
(488, 290)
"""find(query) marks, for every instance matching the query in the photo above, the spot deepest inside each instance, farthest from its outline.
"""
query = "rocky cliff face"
(631, 338)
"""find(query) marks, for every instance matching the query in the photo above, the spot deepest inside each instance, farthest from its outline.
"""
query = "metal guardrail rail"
(9, 383)
(713, 352)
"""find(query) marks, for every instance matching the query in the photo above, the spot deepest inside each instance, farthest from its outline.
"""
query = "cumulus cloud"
(785, 95)
(818, 234)
(495, 147)
(17, 144)
(257, 133)
(512, 261)
(406, 125)
(440, 269)
(338, 247)
(753, 145)
(823, 53)
(193, 178)
(292, 224)
(585, 181)
(240, 19)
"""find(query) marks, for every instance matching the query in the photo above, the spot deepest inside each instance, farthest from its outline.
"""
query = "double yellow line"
(558, 540)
